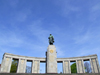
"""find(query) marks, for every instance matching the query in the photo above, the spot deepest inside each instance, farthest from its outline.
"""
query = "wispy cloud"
(25, 27)
(60, 52)
(82, 38)
(66, 7)
(94, 12)
(13, 3)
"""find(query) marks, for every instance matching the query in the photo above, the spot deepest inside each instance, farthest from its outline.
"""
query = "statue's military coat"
(51, 40)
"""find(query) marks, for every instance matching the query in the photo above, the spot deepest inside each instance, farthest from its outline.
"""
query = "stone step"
(48, 74)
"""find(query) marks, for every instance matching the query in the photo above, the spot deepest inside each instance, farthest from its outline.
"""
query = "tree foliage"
(73, 68)
(14, 66)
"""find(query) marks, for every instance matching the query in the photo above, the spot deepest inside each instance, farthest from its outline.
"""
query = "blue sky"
(25, 26)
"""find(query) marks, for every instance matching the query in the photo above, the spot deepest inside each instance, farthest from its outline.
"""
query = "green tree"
(73, 68)
(14, 66)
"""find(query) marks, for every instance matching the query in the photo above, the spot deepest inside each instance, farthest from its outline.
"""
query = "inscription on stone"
(66, 67)
(66, 62)
(7, 59)
(22, 64)
(51, 58)
(79, 61)
(95, 65)
(6, 64)
(22, 61)
(36, 62)
(51, 66)
(36, 67)
(93, 60)
(80, 66)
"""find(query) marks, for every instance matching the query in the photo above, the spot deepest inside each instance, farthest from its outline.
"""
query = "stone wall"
(7, 61)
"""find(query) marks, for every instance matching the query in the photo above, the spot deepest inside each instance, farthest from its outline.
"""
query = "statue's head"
(50, 34)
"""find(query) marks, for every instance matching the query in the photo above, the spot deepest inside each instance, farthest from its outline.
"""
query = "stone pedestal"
(51, 59)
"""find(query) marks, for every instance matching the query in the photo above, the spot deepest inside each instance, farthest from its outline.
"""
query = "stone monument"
(51, 61)
(51, 56)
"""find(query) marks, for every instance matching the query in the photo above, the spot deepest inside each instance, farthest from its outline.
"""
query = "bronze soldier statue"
(51, 39)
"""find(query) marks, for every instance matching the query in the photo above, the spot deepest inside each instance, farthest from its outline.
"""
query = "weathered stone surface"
(7, 59)
(66, 67)
(80, 67)
(6, 64)
(36, 66)
(51, 59)
(21, 66)
(94, 63)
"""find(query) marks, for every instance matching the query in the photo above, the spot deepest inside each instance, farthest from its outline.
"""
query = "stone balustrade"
(7, 61)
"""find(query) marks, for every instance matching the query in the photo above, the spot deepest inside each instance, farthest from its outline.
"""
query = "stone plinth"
(51, 59)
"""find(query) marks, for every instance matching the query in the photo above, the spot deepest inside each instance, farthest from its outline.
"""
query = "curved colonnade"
(7, 61)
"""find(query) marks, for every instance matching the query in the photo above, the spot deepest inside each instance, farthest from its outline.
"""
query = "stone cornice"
(44, 59)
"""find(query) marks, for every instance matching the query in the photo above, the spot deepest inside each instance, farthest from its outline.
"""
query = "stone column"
(69, 67)
(77, 66)
(98, 65)
(36, 66)
(95, 67)
(39, 67)
(51, 59)
(66, 65)
(80, 68)
(32, 66)
(63, 67)
(6, 64)
(21, 66)
(83, 66)
(2, 64)
(10, 65)
(91, 66)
